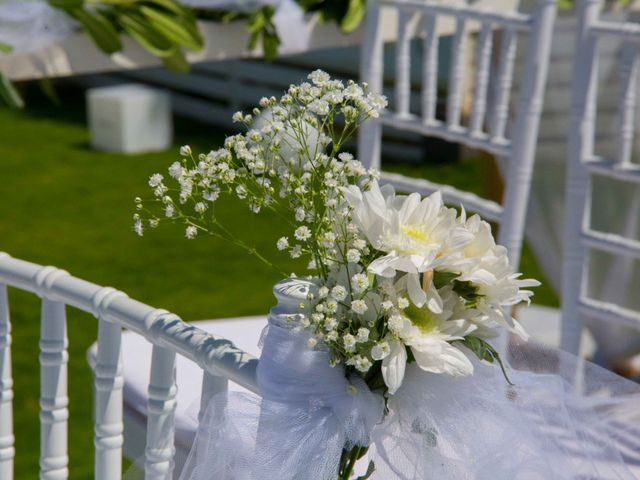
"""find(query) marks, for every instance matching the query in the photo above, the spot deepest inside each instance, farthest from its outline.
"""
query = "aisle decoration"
(395, 280)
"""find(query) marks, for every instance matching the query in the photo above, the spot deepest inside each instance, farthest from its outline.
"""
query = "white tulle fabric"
(306, 415)
(437, 428)
(28, 25)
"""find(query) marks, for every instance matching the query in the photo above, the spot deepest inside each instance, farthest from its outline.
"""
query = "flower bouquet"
(394, 280)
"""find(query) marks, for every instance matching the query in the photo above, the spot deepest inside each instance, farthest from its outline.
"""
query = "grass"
(63, 204)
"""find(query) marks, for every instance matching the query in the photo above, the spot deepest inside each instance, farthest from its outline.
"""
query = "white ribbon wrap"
(437, 428)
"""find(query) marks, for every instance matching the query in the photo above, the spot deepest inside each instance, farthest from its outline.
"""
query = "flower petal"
(393, 366)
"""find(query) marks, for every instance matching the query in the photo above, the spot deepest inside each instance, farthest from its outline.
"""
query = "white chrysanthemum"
(429, 336)
(416, 234)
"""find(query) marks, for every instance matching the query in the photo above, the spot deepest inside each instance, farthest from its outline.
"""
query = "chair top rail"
(488, 209)
(611, 242)
(514, 20)
(609, 168)
(497, 146)
(609, 312)
(627, 31)
(217, 356)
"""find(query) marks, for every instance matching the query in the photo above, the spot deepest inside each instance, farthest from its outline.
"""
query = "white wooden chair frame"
(583, 162)
(518, 151)
(218, 358)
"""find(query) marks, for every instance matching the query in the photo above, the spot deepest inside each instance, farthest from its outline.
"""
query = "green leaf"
(169, 5)
(5, 48)
(440, 279)
(9, 94)
(46, 85)
(177, 62)
(270, 44)
(370, 469)
(65, 4)
(173, 28)
(99, 28)
(353, 17)
(484, 351)
(146, 35)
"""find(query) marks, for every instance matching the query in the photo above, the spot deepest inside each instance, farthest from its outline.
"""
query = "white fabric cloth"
(296, 429)
(437, 427)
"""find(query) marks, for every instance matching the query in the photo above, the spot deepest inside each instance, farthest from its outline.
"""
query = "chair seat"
(244, 332)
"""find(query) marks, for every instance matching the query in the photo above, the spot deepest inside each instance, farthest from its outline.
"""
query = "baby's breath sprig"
(290, 161)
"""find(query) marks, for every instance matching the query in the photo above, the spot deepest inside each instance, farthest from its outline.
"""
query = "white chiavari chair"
(581, 237)
(490, 127)
(218, 359)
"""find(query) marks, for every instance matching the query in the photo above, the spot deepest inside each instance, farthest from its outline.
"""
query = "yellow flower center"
(414, 232)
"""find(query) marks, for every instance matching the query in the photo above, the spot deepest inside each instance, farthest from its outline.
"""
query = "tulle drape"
(542, 428)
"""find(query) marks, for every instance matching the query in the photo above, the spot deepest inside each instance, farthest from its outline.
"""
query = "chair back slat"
(525, 130)
(429, 69)
(211, 385)
(504, 79)
(627, 103)
(580, 236)
(54, 459)
(7, 449)
(403, 64)
(160, 450)
(109, 427)
(483, 64)
(456, 75)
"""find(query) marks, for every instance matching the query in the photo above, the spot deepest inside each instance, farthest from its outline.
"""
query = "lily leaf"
(146, 35)
(99, 28)
(64, 4)
(5, 48)
(173, 28)
(9, 94)
(370, 469)
(354, 15)
(484, 351)
(177, 62)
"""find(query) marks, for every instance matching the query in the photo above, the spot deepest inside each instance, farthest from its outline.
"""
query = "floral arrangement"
(400, 279)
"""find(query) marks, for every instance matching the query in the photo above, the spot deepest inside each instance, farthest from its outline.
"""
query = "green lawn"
(63, 204)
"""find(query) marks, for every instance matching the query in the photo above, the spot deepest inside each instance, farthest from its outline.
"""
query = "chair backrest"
(489, 118)
(580, 237)
(219, 359)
